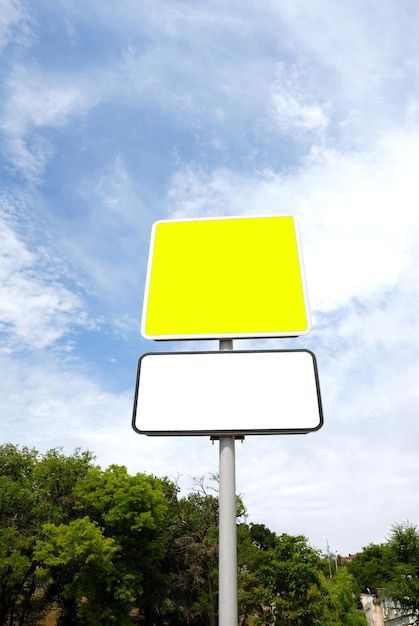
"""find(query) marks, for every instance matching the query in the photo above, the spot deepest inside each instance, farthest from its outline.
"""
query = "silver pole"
(227, 586)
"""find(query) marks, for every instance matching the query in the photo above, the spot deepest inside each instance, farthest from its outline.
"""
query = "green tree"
(373, 567)
(192, 560)
(292, 586)
(55, 477)
(17, 502)
(15, 569)
(34, 489)
(192, 556)
(132, 511)
(262, 537)
(344, 600)
(253, 542)
(77, 562)
(404, 584)
(96, 538)
(281, 581)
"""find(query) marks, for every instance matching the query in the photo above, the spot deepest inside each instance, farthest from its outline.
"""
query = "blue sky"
(115, 115)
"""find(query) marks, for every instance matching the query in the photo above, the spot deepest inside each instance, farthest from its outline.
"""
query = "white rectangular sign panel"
(227, 393)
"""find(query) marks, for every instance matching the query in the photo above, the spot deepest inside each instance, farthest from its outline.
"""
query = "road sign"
(227, 392)
(225, 278)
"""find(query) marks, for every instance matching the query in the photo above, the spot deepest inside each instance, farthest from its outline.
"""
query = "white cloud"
(119, 221)
(293, 102)
(28, 155)
(15, 23)
(412, 112)
(293, 114)
(40, 100)
(36, 310)
(364, 45)
(63, 406)
(357, 213)
(36, 101)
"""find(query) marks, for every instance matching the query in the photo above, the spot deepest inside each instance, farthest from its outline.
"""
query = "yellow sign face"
(225, 278)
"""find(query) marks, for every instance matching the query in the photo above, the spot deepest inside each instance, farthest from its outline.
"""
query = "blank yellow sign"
(225, 278)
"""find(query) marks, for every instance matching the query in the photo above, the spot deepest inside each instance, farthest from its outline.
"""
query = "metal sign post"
(227, 586)
(226, 278)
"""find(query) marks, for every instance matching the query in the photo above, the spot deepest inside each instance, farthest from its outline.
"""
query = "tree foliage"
(77, 562)
(343, 594)
(192, 560)
(281, 582)
(292, 584)
(133, 511)
(392, 569)
(108, 547)
(373, 567)
(34, 489)
(404, 584)
(93, 540)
